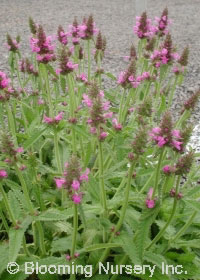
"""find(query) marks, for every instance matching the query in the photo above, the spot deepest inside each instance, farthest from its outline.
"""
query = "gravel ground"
(115, 18)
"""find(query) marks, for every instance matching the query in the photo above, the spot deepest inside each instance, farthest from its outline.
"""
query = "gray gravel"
(115, 18)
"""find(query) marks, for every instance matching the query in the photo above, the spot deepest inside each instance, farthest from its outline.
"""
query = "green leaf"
(110, 75)
(193, 204)
(95, 247)
(61, 245)
(3, 256)
(15, 238)
(15, 241)
(155, 259)
(142, 235)
(33, 138)
(130, 248)
(51, 70)
(54, 214)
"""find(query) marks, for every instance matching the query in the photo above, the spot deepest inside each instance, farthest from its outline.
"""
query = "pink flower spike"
(3, 174)
(156, 130)
(76, 198)
(93, 130)
(60, 182)
(76, 185)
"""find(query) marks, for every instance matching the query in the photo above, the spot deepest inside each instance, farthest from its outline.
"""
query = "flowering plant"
(91, 174)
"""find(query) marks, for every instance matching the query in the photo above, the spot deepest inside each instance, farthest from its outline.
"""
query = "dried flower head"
(191, 102)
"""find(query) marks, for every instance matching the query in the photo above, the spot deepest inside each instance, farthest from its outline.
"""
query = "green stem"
(158, 173)
(74, 236)
(57, 154)
(101, 179)
(89, 60)
(121, 105)
(48, 91)
(172, 92)
(41, 239)
(160, 234)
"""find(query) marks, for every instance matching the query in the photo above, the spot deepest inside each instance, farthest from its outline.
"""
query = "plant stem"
(160, 234)
(89, 60)
(75, 225)
(158, 173)
(48, 91)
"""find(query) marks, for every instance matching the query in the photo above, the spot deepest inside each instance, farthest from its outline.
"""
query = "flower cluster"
(165, 55)
(128, 78)
(74, 32)
(62, 35)
(73, 179)
(163, 23)
(27, 67)
(100, 47)
(133, 54)
(99, 109)
(13, 45)
(8, 149)
(144, 28)
(42, 45)
(165, 135)
(87, 29)
(4, 81)
(191, 102)
(3, 174)
(66, 66)
(54, 120)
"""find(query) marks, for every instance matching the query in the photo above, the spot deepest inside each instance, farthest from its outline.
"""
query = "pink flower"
(106, 105)
(108, 115)
(84, 176)
(59, 117)
(156, 130)
(87, 100)
(77, 198)
(40, 101)
(103, 135)
(60, 182)
(166, 169)
(176, 133)
(116, 124)
(93, 130)
(48, 120)
(3, 174)
(161, 141)
(150, 203)
(177, 144)
(76, 185)
(20, 150)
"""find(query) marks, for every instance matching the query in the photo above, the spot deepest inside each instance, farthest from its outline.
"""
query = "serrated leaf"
(110, 75)
(142, 236)
(34, 137)
(54, 214)
(3, 256)
(95, 247)
(130, 248)
(15, 241)
(61, 245)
